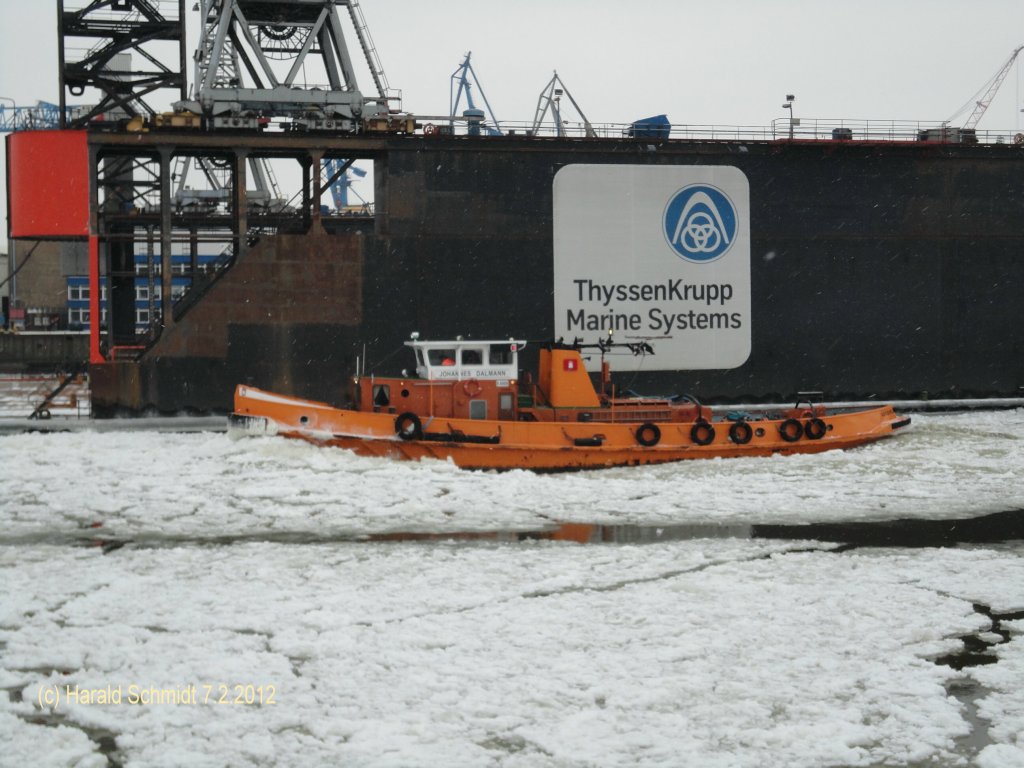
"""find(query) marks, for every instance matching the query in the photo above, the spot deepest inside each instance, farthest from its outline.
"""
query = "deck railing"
(807, 129)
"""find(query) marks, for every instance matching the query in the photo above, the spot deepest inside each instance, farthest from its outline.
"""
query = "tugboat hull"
(550, 446)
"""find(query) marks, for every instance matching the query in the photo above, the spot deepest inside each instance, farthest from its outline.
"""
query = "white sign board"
(659, 253)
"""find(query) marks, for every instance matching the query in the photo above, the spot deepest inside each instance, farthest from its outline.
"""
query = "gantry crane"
(252, 64)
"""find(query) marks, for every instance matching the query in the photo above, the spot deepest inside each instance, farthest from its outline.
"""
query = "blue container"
(656, 127)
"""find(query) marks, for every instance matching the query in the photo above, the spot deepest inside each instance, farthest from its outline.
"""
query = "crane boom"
(984, 96)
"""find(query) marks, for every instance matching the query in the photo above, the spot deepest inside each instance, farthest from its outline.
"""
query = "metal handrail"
(808, 129)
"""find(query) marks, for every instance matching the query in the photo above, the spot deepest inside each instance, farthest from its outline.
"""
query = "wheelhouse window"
(441, 356)
(501, 354)
(472, 356)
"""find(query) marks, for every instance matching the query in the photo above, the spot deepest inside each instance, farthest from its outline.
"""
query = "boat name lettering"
(466, 373)
(670, 290)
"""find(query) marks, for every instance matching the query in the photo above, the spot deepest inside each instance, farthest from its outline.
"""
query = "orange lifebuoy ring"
(472, 387)
(429, 129)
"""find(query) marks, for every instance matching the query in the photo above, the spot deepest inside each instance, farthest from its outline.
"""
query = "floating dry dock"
(874, 269)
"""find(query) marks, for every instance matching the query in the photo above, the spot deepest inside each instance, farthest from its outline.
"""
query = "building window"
(142, 292)
(142, 317)
(78, 293)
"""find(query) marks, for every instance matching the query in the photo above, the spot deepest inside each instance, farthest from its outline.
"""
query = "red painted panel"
(48, 184)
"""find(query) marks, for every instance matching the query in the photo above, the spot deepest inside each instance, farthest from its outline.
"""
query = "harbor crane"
(339, 175)
(462, 81)
(551, 101)
(252, 64)
(979, 103)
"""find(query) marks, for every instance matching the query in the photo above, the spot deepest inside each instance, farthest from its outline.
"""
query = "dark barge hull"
(878, 270)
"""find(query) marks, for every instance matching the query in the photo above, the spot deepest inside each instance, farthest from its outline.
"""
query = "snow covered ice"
(238, 563)
(205, 485)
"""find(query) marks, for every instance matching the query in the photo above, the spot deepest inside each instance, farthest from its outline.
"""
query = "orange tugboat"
(467, 403)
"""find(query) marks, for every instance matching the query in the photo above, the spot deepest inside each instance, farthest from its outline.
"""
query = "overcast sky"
(723, 62)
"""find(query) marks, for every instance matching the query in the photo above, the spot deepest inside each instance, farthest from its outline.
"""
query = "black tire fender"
(815, 429)
(702, 433)
(408, 426)
(791, 430)
(648, 434)
(740, 432)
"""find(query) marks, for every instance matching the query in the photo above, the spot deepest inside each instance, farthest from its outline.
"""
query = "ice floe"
(712, 653)
(205, 484)
(235, 566)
